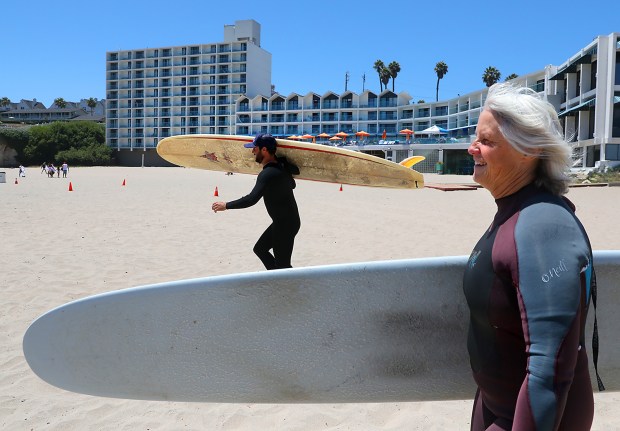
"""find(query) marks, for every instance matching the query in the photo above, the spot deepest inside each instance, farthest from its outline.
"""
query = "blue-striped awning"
(584, 106)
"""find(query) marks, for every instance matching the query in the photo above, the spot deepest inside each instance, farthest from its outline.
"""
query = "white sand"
(57, 246)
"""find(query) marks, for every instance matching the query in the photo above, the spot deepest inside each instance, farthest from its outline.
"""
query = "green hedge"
(77, 143)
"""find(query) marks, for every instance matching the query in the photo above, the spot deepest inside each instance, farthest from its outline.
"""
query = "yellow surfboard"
(316, 162)
(410, 161)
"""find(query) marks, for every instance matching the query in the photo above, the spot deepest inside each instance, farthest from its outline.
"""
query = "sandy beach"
(59, 245)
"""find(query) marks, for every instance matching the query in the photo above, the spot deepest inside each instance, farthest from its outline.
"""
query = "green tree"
(490, 76)
(441, 69)
(60, 102)
(394, 68)
(4, 102)
(92, 104)
(385, 76)
(511, 76)
(77, 142)
(379, 67)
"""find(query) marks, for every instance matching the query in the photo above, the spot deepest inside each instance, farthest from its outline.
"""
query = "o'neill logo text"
(554, 272)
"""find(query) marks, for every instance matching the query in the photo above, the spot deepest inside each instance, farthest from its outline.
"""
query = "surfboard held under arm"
(365, 332)
(316, 162)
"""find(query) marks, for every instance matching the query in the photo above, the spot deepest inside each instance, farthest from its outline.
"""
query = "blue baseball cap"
(263, 140)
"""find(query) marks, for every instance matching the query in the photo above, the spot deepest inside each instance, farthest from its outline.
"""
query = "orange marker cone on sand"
(216, 193)
(70, 186)
(123, 181)
(340, 187)
(16, 181)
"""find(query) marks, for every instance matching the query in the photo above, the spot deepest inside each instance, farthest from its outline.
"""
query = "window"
(612, 152)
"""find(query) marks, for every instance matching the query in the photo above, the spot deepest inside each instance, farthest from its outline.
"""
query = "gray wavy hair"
(530, 124)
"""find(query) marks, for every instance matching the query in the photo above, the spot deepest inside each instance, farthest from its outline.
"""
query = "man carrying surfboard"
(275, 185)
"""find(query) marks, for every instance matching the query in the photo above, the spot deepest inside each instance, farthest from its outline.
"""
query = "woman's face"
(498, 167)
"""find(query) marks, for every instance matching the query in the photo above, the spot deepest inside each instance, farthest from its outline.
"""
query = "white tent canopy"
(434, 130)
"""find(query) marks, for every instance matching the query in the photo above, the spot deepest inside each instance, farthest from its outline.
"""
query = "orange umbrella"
(335, 138)
(306, 136)
(324, 135)
(294, 137)
(342, 134)
(362, 133)
(406, 132)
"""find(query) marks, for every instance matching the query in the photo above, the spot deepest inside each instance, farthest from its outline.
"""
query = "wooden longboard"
(316, 162)
(364, 332)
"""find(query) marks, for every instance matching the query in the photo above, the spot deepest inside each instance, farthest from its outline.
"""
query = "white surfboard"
(364, 332)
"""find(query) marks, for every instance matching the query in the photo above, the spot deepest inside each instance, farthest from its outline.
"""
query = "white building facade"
(225, 88)
(153, 93)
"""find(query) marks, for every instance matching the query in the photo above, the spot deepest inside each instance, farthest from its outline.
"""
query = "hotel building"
(225, 88)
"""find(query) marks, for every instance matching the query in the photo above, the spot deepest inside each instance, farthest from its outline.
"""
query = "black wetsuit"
(275, 185)
(528, 284)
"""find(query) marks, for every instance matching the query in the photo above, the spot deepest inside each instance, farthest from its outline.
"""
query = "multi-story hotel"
(225, 88)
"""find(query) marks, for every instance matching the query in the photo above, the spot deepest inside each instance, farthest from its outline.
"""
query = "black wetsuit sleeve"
(288, 166)
(552, 256)
(254, 196)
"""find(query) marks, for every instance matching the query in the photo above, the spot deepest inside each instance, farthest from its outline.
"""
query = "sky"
(58, 49)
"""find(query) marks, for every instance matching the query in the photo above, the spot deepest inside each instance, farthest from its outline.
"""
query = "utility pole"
(346, 80)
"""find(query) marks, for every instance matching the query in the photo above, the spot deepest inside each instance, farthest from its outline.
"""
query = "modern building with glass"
(225, 88)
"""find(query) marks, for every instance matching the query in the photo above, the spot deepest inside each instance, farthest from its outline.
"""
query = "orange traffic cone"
(340, 187)
(70, 186)
(123, 181)
(216, 193)
(16, 181)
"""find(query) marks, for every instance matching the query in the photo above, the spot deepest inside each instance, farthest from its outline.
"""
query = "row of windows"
(169, 52)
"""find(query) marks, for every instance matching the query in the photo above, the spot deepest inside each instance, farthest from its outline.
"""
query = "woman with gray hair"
(530, 277)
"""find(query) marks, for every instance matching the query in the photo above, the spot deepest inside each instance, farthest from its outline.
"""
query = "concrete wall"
(134, 158)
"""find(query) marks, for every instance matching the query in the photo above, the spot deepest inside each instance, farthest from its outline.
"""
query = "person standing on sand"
(275, 185)
(65, 169)
(530, 278)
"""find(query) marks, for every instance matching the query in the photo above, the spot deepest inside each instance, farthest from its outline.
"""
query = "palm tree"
(4, 102)
(385, 76)
(92, 104)
(511, 76)
(491, 76)
(394, 68)
(441, 69)
(60, 102)
(379, 66)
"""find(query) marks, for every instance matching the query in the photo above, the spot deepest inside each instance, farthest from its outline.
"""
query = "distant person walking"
(275, 184)
(65, 169)
(22, 171)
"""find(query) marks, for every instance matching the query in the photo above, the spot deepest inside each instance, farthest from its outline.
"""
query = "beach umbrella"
(294, 137)
(306, 136)
(343, 135)
(407, 132)
(434, 130)
(324, 135)
(362, 134)
(335, 138)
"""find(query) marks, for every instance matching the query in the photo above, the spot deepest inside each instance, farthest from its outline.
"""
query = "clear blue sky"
(51, 49)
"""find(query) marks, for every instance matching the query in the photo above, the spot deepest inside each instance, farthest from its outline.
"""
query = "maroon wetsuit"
(528, 284)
